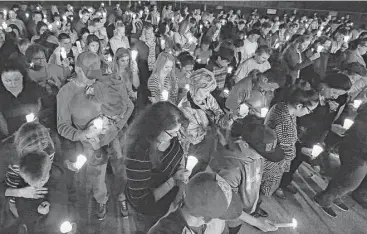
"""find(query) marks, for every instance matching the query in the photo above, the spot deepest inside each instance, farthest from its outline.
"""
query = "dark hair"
(34, 164)
(358, 42)
(206, 40)
(84, 11)
(39, 25)
(338, 81)
(266, 25)
(162, 27)
(263, 49)
(148, 125)
(34, 49)
(63, 36)
(92, 38)
(282, 26)
(10, 66)
(185, 59)
(354, 68)
(303, 97)
(254, 32)
(83, 31)
(38, 13)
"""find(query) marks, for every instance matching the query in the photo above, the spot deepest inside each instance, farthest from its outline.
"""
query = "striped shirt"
(220, 73)
(155, 87)
(142, 178)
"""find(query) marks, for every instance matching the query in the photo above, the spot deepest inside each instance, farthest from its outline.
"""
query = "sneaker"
(341, 205)
(328, 210)
(280, 193)
(101, 211)
(123, 209)
(291, 188)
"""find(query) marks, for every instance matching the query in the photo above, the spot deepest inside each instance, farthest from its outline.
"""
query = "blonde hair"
(161, 61)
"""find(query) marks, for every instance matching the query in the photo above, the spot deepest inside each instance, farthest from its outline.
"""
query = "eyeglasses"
(309, 110)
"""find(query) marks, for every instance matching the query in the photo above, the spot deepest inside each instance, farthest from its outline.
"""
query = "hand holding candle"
(263, 112)
(357, 103)
(134, 54)
(30, 117)
(317, 150)
(80, 161)
(165, 95)
(191, 162)
(98, 123)
(230, 69)
(348, 123)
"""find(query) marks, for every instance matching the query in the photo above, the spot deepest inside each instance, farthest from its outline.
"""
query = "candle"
(348, 123)
(191, 162)
(357, 103)
(30, 117)
(98, 123)
(109, 58)
(264, 112)
(165, 95)
(293, 224)
(79, 46)
(66, 227)
(319, 33)
(187, 86)
(226, 91)
(71, 18)
(319, 48)
(45, 21)
(276, 46)
(287, 38)
(317, 150)
(80, 161)
(5, 12)
(346, 38)
(63, 53)
(243, 109)
(50, 27)
(5, 26)
(102, 4)
(230, 70)
(163, 43)
(27, 15)
(134, 54)
(104, 14)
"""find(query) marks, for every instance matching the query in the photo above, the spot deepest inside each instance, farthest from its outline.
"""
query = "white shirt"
(249, 49)
(246, 67)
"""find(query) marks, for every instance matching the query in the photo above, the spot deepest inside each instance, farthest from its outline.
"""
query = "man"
(250, 44)
(353, 170)
(20, 24)
(241, 165)
(208, 200)
(31, 26)
(265, 39)
(82, 22)
(119, 40)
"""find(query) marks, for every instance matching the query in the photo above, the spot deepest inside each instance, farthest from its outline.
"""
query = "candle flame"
(294, 222)
(66, 227)
(98, 123)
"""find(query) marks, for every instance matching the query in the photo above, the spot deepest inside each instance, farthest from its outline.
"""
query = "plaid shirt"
(220, 73)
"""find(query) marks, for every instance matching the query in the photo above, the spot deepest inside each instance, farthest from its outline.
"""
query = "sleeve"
(218, 117)
(114, 45)
(64, 123)
(241, 72)
(155, 92)
(283, 131)
(140, 183)
(195, 130)
(238, 94)
(12, 177)
(292, 58)
(233, 177)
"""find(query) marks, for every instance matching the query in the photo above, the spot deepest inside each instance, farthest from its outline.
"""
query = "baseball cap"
(209, 195)
(264, 140)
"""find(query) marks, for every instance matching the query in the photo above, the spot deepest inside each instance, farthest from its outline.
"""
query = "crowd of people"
(201, 113)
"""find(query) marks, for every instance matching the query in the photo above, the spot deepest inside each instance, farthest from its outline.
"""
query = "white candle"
(348, 123)
(187, 86)
(230, 70)
(243, 109)
(163, 43)
(66, 227)
(45, 20)
(357, 103)
(63, 53)
(226, 91)
(102, 4)
(165, 95)
(276, 46)
(293, 224)
(30, 117)
(27, 15)
(98, 123)
(264, 112)
(134, 54)
(191, 162)
(317, 150)
(79, 46)
(5, 26)
(5, 12)
(50, 26)
(287, 38)
(80, 161)
(319, 48)
(109, 58)
(346, 38)
(319, 33)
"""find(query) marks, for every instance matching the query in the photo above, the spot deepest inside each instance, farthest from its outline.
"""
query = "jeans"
(350, 176)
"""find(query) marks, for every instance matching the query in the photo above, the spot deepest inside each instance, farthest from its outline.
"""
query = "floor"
(310, 217)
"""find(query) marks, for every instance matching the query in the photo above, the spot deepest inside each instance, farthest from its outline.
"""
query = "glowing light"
(191, 162)
(293, 224)
(63, 53)
(287, 38)
(243, 109)
(134, 54)
(346, 38)
(102, 4)
(357, 103)
(165, 95)
(98, 123)
(319, 48)
(317, 150)
(30, 117)
(104, 14)
(64, 18)
(187, 86)
(276, 45)
(50, 26)
(109, 58)
(348, 123)
(45, 21)
(66, 227)
(80, 161)
(319, 33)
(230, 69)
(27, 15)
(226, 91)
(5, 26)
(263, 112)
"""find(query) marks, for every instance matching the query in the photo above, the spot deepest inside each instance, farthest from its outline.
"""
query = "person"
(154, 165)
(357, 49)
(119, 40)
(183, 72)
(50, 76)
(265, 38)
(41, 27)
(82, 22)
(293, 59)
(148, 37)
(76, 111)
(282, 119)
(203, 53)
(241, 164)
(163, 79)
(20, 24)
(259, 62)
(250, 45)
(20, 96)
(208, 199)
(314, 127)
(184, 38)
(37, 16)
(352, 172)
(19, 55)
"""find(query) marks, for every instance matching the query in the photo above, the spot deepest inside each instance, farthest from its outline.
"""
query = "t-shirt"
(249, 49)
(246, 67)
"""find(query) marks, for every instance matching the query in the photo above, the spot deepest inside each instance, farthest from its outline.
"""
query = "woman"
(148, 38)
(127, 71)
(93, 44)
(40, 29)
(358, 48)
(163, 84)
(282, 119)
(155, 165)
(204, 115)
(19, 97)
(293, 59)
(184, 38)
(164, 37)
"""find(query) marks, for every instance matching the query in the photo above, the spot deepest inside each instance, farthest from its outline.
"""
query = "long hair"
(121, 52)
(146, 128)
(161, 61)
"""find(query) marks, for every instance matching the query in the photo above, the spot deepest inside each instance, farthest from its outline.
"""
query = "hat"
(209, 195)
(264, 140)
